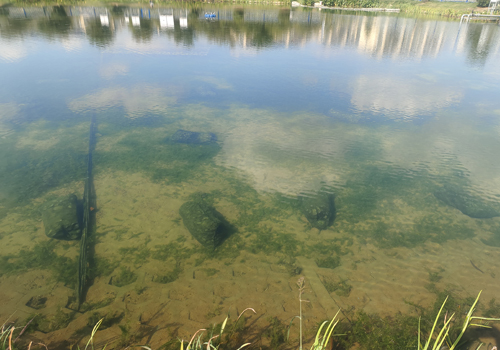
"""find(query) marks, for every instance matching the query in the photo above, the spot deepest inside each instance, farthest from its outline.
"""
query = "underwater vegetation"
(472, 206)
(369, 185)
(371, 331)
(168, 277)
(430, 228)
(276, 333)
(341, 288)
(261, 229)
(143, 151)
(375, 195)
(108, 319)
(125, 277)
(192, 137)
(54, 322)
(42, 256)
(329, 262)
(494, 239)
(41, 158)
(30, 174)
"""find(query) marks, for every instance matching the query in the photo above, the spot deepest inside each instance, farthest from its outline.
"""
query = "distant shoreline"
(366, 9)
(447, 9)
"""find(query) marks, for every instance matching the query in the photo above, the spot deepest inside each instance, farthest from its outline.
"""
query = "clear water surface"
(397, 118)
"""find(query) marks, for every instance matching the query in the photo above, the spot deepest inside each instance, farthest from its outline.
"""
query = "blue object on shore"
(210, 15)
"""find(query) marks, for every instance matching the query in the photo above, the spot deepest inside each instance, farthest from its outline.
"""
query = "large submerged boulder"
(206, 224)
(472, 206)
(193, 137)
(61, 218)
(319, 209)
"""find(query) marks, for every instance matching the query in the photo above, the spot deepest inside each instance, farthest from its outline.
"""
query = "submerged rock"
(61, 218)
(37, 302)
(469, 205)
(319, 209)
(205, 223)
(192, 137)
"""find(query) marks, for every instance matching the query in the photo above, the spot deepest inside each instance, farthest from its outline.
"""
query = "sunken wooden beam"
(89, 222)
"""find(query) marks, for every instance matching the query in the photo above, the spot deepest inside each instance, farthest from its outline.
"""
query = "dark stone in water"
(61, 218)
(205, 223)
(192, 137)
(37, 302)
(319, 209)
(469, 205)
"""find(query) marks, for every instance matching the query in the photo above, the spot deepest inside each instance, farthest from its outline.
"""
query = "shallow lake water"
(395, 119)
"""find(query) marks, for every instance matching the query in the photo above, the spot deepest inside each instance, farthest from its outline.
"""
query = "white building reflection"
(378, 35)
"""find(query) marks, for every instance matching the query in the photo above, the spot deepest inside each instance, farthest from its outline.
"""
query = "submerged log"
(89, 223)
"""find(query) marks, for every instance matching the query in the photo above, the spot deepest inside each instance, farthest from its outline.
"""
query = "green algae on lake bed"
(474, 207)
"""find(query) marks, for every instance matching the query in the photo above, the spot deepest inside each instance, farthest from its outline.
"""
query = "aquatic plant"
(125, 277)
(435, 342)
(91, 339)
(301, 283)
(321, 339)
(329, 262)
(7, 333)
(341, 288)
(214, 342)
(172, 163)
(493, 309)
(54, 321)
(275, 332)
(168, 277)
(42, 256)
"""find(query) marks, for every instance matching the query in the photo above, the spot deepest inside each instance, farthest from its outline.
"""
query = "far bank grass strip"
(412, 7)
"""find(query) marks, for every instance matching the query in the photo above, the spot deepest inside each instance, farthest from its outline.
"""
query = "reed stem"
(301, 283)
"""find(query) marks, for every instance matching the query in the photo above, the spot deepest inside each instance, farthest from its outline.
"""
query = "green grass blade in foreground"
(4, 336)
(322, 338)
(290, 326)
(419, 333)
(468, 321)
(197, 346)
(444, 332)
(433, 327)
(94, 331)
(241, 347)
(223, 325)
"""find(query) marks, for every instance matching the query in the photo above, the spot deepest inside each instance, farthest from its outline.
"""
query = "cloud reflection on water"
(303, 152)
(12, 51)
(138, 101)
(399, 98)
(8, 112)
